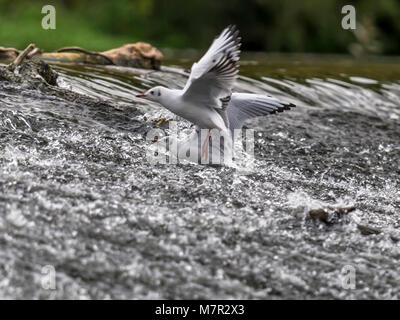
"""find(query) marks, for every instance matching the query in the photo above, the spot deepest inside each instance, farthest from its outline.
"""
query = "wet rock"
(395, 238)
(330, 214)
(320, 214)
(368, 230)
(35, 74)
(41, 68)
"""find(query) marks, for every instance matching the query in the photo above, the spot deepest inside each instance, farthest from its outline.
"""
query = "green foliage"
(266, 25)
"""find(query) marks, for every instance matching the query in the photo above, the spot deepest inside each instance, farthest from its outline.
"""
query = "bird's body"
(207, 99)
(193, 111)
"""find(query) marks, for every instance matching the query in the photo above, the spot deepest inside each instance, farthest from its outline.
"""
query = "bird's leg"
(204, 149)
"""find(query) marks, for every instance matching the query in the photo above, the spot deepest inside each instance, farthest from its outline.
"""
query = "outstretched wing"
(244, 106)
(213, 76)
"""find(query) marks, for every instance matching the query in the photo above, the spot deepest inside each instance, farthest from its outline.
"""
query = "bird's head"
(153, 94)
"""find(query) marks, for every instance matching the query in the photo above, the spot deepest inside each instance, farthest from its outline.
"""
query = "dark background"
(272, 26)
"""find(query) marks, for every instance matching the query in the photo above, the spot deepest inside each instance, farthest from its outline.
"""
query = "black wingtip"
(288, 106)
(233, 30)
(284, 107)
(232, 27)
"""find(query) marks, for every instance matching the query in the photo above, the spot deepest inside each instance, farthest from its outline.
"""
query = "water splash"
(78, 193)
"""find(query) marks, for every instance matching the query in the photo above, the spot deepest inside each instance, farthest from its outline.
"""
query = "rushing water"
(78, 194)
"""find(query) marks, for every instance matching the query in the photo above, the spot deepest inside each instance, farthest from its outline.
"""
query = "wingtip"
(233, 30)
(288, 106)
(233, 27)
(284, 107)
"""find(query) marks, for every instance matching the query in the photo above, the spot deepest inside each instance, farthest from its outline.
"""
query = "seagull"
(207, 99)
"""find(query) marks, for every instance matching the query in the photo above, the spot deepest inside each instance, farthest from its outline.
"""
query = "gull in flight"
(207, 99)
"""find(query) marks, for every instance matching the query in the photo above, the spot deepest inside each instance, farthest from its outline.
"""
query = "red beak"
(142, 95)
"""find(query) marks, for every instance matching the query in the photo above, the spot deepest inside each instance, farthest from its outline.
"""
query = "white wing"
(213, 76)
(243, 106)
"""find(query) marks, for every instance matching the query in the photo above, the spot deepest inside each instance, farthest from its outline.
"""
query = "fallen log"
(136, 55)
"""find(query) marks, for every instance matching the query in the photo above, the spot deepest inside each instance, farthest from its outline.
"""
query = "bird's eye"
(152, 92)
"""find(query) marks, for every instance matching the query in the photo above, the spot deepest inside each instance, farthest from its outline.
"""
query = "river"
(79, 199)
